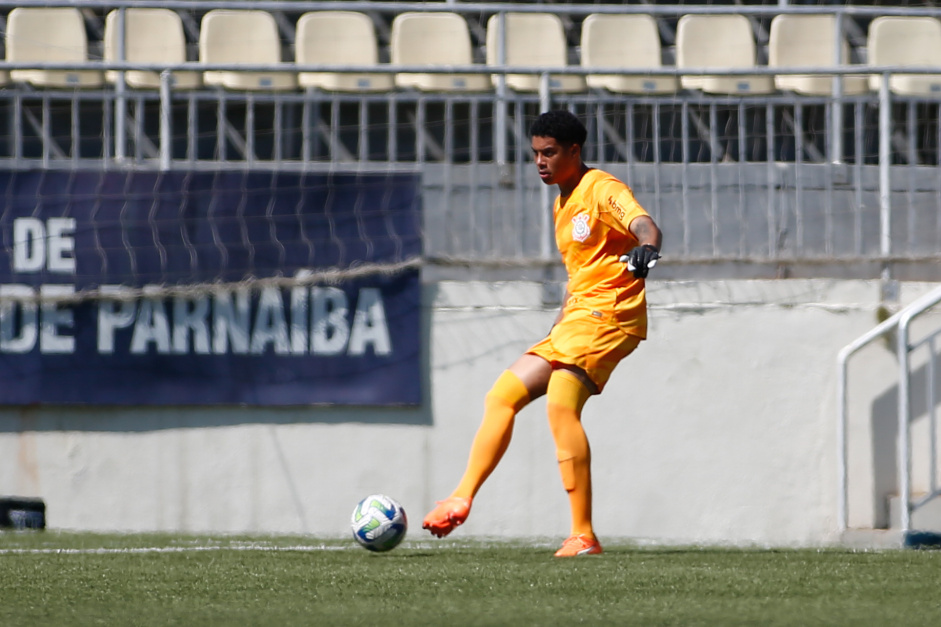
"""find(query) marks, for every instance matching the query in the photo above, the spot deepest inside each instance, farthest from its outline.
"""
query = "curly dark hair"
(560, 125)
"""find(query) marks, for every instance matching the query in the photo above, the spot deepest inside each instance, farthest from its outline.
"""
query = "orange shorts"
(581, 340)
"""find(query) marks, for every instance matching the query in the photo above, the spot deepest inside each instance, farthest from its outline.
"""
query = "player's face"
(556, 163)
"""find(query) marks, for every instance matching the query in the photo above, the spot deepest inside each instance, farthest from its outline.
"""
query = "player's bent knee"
(508, 390)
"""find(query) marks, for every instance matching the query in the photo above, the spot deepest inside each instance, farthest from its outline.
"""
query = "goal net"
(192, 287)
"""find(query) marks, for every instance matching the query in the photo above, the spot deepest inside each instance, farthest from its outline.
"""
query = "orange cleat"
(579, 545)
(450, 513)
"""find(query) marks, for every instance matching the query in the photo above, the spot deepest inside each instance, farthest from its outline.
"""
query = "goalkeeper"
(608, 244)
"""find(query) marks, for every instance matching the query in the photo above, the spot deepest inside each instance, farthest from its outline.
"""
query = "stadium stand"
(777, 137)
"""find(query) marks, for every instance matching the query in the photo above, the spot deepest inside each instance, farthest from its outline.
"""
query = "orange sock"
(565, 398)
(507, 396)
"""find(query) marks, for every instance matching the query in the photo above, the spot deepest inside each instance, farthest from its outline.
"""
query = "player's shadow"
(884, 425)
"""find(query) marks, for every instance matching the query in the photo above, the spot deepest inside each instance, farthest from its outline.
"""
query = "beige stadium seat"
(532, 40)
(624, 41)
(338, 38)
(913, 41)
(807, 41)
(434, 39)
(150, 36)
(242, 37)
(50, 35)
(719, 41)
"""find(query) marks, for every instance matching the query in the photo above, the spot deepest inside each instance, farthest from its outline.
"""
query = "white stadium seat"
(807, 41)
(150, 36)
(49, 35)
(242, 37)
(719, 41)
(338, 38)
(434, 39)
(912, 41)
(532, 40)
(624, 41)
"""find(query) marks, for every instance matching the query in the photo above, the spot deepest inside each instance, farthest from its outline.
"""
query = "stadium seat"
(49, 35)
(434, 39)
(532, 40)
(242, 37)
(624, 41)
(338, 38)
(913, 41)
(150, 36)
(718, 41)
(807, 41)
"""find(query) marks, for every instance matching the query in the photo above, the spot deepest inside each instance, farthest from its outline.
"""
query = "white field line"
(175, 549)
(261, 546)
(420, 546)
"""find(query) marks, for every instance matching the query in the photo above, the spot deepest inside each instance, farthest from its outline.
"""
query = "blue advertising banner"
(207, 288)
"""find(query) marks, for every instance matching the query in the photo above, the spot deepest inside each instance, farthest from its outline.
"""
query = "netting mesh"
(752, 178)
(189, 232)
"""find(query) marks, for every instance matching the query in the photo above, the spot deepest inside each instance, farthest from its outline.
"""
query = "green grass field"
(88, 579)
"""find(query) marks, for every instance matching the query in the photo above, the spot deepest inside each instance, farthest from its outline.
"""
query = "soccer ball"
(379, 523)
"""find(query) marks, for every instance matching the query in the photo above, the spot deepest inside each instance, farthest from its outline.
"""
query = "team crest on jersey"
(580, 228)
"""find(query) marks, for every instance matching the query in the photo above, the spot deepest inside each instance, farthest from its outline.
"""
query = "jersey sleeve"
(617, 206)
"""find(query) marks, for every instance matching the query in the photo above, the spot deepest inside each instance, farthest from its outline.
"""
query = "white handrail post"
(932, 416)
(548, 234)
(165, 120)
(120, 88)
(842, 495)
(544, 96)
(885, 156)
(501, 113)
(836, 135)
(900, 321)
(904, 409)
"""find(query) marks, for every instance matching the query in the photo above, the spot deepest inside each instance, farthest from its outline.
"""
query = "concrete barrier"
(719, 429)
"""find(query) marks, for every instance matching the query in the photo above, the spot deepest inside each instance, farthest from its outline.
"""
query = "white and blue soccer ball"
(379, 523)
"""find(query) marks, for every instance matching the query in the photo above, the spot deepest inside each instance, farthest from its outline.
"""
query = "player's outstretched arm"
(644, 256)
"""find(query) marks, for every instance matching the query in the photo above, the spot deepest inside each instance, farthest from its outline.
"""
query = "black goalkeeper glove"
(641, 259)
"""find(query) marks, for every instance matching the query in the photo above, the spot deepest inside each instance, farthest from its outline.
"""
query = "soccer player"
(608, 244)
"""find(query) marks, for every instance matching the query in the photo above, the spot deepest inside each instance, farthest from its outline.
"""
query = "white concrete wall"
(720, 428)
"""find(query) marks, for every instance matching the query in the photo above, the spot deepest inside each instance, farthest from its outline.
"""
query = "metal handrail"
(900, 321)
(475, 68)
(298, 6)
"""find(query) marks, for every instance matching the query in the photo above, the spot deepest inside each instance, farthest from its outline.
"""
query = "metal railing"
(733, 145)
(900, 325)
(780, 177)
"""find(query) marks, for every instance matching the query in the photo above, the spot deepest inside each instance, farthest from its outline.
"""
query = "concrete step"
(872, 539)
(925, 518)
(925, 530)
(889, 539)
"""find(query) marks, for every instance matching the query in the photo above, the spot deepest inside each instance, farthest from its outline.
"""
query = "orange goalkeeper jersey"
(591, 230)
